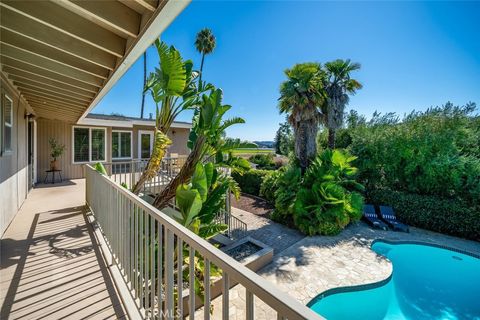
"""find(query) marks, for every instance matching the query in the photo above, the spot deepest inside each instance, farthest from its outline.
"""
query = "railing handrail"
(260, 287)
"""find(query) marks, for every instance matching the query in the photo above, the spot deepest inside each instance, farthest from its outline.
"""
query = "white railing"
(149, 248)
(128, 172)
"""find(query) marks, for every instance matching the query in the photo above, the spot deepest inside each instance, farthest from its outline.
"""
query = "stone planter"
(254, 261)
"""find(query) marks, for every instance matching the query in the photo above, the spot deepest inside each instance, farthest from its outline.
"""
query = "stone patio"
(315, 264)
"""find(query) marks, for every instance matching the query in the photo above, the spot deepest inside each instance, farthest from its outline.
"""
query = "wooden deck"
(51, 267)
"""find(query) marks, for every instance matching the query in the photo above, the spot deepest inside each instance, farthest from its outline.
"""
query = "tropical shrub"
(263, 161)
(287, 187)
(270, 185)
(329, 197)
(446, 215)
(250, 181)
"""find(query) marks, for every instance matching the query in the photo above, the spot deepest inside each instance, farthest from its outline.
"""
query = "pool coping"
(373, 285)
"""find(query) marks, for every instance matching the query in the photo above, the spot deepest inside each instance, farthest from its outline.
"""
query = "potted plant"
(56, 150)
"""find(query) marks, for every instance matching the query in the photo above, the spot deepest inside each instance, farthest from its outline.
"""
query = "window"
(89, 144)
(145, 144)
(7, 121)
(121, 144)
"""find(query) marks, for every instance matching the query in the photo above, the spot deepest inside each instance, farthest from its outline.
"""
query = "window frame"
(3, 150)
(120, 148)
(89, 144)
(152, 137)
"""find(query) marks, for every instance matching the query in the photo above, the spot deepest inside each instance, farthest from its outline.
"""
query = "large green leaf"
(188, 202)
(199, 181)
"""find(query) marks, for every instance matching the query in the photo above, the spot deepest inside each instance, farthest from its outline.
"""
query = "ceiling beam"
(58, 18)
(17, 23)
(111, 15)
(55, 88)
(25, 44)
(44, 107)
(166, 12)
(13, 72)
(47, 74)
(47, 64)
(48, 114)
(51, 98)
(43, 102)
(52, 92)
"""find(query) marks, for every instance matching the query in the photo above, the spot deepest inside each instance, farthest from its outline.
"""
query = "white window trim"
(89, 144)
(131, 145)
(140, 132)
(10, 125)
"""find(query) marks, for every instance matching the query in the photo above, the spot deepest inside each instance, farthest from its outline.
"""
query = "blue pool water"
(427, 283)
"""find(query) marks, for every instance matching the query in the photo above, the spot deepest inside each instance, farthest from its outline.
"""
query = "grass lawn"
(251, 151)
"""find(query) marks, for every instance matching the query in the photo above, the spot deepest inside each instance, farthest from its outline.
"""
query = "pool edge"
(380, 283)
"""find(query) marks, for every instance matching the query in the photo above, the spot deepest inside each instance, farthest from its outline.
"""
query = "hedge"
(250, 181)
(448, 216)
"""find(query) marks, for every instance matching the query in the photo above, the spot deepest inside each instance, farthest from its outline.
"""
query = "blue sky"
(413, 55)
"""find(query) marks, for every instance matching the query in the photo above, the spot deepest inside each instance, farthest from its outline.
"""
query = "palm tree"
(144, 83)
(301, 96)
(205, 44)
(338, 88)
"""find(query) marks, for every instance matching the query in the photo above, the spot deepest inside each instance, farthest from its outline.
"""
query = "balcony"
(117, 257)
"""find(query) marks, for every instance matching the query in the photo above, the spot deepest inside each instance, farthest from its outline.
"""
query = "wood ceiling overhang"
(64, 55)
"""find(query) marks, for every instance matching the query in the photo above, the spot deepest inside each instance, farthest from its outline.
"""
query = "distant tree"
(338, 88)
(301, 97)
(284, 139)
(205, 44)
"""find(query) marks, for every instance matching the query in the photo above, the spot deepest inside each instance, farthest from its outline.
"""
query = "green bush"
(287, 187)
(444, 215)
(270, 185)
(263, 161)
(436, 152)
(324, 200)
(329, 197)
(250, 181)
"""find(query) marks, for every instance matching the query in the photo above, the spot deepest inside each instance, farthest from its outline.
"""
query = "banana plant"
(207, 129)
(173, 89)
(198, 202)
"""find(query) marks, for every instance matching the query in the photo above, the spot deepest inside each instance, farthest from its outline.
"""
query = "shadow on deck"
(51, 266)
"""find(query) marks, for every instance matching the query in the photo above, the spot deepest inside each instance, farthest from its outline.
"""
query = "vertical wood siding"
(13, 165)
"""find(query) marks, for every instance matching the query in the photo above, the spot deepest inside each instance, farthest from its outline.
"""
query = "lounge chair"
(387, 215)
(370, 217)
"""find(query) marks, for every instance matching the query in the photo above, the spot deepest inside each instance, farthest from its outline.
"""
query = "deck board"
(51, 267)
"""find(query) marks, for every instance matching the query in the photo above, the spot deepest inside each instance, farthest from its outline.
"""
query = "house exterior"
(102, 138)
(58, 60)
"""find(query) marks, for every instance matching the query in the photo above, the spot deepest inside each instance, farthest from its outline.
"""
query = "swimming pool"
(427, 283)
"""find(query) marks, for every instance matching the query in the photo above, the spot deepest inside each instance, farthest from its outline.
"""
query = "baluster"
(169, 275)
(141, 261)
(191, 282)
(152, 266)
(206, 284)
(160, 269)
(225, 295)
(180, 276)
(250, 305)
(146, 262)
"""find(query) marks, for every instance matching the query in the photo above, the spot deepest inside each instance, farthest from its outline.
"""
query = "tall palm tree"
(205, 44)
(338, 88)
(144, 83)
(301, 97)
